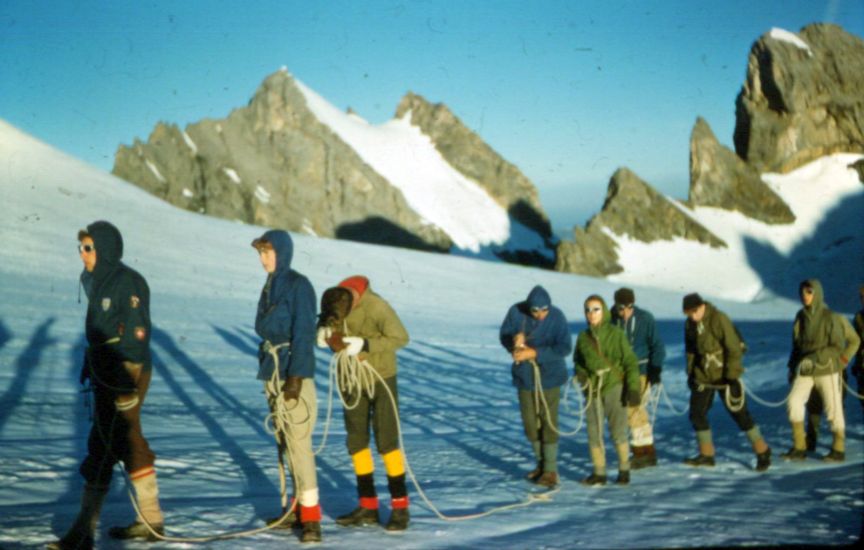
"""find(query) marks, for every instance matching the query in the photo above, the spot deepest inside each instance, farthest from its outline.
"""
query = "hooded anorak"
(818, 340)
(286, 315)
(714, 349)
(604, 358)
(374, 320)
(550, 338)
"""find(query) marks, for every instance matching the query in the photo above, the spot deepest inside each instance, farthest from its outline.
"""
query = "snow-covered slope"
(407, 158)
(826, 241)
(463, 438)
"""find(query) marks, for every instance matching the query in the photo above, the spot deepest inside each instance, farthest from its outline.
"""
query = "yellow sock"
(363, 462)
(393, 463)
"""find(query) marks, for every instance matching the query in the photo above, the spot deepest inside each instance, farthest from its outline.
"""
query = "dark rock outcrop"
(634, 209)
(719, 178)
(470, 155)
(801, 101)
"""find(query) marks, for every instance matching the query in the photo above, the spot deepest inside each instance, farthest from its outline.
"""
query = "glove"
(322, 335)
(335, 341)
(353, 344)
(291, 387)
(653, 376)
(634, 398)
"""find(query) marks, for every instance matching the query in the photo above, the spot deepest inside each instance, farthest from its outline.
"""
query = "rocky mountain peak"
(719, 178)
(802, 98)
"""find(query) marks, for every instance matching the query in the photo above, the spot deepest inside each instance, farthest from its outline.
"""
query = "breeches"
(116, 435)
(538, 426)
(700, 404)
(376, 412)
(296, 444)
(610, 407)
(829, 388)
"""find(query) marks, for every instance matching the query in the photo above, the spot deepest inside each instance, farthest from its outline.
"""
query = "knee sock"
(147, 493)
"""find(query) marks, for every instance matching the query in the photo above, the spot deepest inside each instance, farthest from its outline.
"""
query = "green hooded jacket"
(603, 356)
(817, 337)
(713, 348)
(374, 320)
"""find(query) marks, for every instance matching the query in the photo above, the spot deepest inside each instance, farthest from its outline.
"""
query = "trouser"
(537, 424)
(701, 401)
(829, 387)
(116, 433)
(296, 445)
(641, 432)
(610, 406)
(376, 412)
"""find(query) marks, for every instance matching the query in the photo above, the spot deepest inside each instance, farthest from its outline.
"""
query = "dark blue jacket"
(641, 331)
(550, 337)
(286, 314)
(118, 312)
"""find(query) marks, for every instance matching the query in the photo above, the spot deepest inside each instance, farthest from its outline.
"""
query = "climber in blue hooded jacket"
(535, 332)
(286, 322)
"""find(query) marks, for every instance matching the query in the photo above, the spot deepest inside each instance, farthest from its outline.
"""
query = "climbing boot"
(398, 520)
(794, 454)
(359, 517)
(290, 521)
(136, 530)
(834, 456)
(763, 460)
(548, 479)
(73, 540)
(594, 479)
(643, 457)
(700, 460)
(535, 474)
(311, 532)
(623, 477)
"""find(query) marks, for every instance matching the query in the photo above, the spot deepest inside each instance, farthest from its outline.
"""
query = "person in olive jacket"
(819, 353)
(373, 332)
(714, 363)
(537, 333)
(285, 321)
(118, 366)
(608, 370)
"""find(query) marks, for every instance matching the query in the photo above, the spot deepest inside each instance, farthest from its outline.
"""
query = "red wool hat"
(359, 283)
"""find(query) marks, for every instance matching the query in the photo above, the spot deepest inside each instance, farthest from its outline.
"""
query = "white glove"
(354, 344)
(323, 334)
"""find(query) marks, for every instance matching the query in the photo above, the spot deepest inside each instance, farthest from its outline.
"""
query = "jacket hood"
(283, 246)
(818, 294)
(109, 247)
(538, 297)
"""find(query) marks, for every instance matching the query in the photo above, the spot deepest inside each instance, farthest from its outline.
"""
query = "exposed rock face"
(468, 153)
(801, 100)
(274, 163)
(719, 178)
(634, 209)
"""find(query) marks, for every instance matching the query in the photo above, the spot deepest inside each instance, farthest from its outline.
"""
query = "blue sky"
(568, 91)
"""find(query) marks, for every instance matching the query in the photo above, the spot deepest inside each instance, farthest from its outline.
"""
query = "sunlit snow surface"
(463, 437)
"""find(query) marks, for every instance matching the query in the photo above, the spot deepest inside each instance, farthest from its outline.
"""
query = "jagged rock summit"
(276, 163)
(802, 100)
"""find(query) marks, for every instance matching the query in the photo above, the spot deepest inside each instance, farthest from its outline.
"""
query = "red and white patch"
(134, 301)
(140, 333)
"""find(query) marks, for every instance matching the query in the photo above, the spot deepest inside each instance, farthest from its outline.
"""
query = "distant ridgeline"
(803, 99)
(275, 163)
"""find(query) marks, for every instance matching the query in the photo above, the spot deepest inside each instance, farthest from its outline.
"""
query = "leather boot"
(359, 517)
(399, 518)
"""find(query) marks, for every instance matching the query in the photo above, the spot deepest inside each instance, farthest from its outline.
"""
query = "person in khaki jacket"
(373, 332)
(817, 358)
(714, 351)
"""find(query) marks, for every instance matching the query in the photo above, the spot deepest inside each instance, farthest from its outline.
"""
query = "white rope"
(280, 419)
(850, 390)
(540, 398)
(669, 403)
(756, 398)
(357, 366)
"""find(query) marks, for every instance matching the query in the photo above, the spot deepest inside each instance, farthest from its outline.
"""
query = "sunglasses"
(593, 309)
(86, 248)
(807, 290)
(539, 309)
